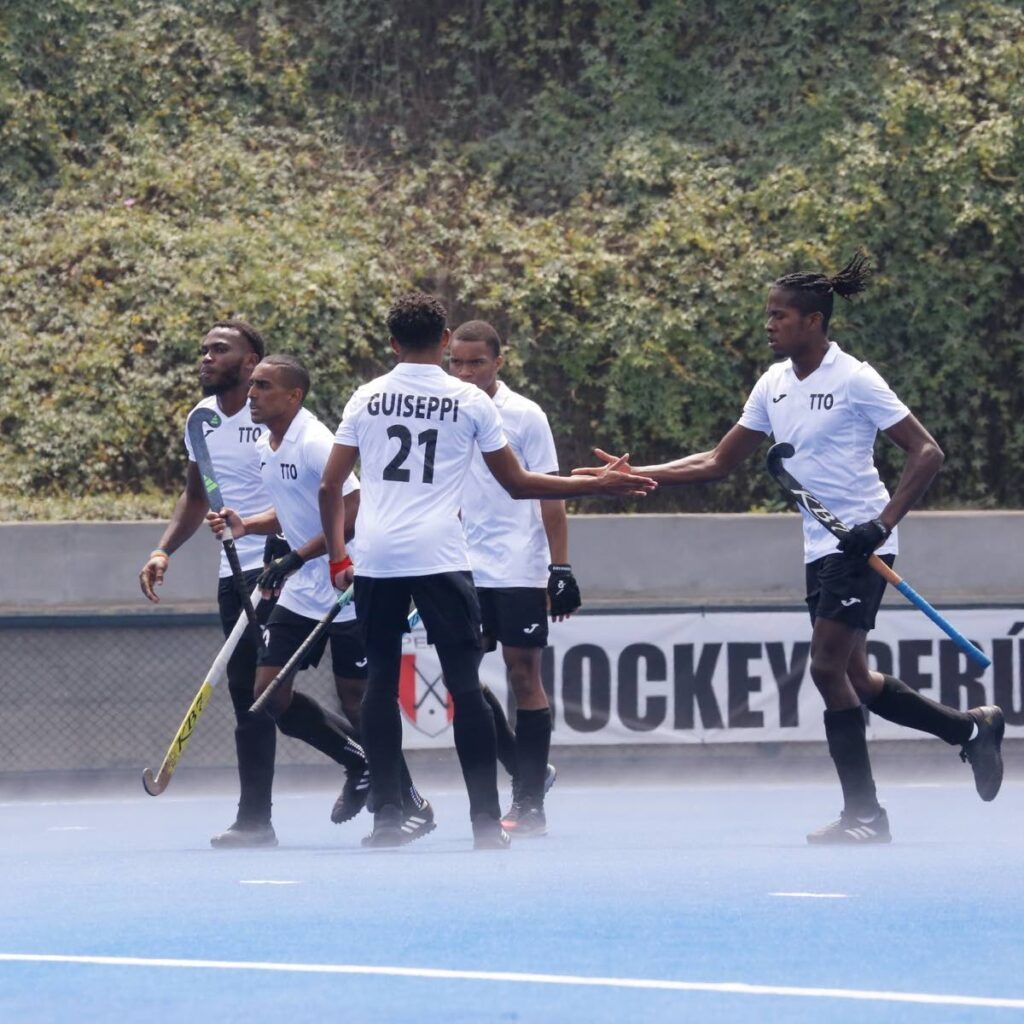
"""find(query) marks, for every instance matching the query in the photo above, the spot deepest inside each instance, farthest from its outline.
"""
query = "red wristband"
(336, 567)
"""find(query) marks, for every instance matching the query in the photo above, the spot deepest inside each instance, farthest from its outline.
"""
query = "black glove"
(275, 547)
(563, 590)
(863, 538)
(277, 572)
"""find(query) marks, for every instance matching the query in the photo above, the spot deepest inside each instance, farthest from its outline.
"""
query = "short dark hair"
(812, 293)
(247, 331)
(479, 330)
(296, 375)
(417, 320)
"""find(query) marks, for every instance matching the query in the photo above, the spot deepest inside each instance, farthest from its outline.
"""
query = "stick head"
(197, 432)
(154, 785)
(778, 452)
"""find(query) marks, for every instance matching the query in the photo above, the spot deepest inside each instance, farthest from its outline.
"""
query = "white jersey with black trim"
(831, 418)
(507, 543)
(416, 429)
(292, 477)
(232, 448)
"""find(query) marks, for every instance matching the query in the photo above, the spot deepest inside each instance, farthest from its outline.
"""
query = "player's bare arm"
(340, 464)
(188, 514)
(610, 481)
(701, 467)
(924, 460)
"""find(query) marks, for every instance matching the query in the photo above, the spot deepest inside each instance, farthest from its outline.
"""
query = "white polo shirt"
(232, 448)
(292, 477)
(416, 429)
(507, 543)
(831, 418)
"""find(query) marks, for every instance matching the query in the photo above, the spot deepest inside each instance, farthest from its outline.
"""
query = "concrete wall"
(619, 559)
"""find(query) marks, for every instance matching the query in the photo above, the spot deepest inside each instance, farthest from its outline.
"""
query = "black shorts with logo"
(514, 616)
(287, 631)
(841, 590)
(446, 601)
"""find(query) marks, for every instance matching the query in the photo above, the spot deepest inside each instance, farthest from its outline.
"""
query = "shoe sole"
(340, 819)
(998, 728)
(233, 845)
(385, 839)
(873, 841)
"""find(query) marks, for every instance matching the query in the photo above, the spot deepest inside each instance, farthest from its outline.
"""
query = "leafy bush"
(614, 184)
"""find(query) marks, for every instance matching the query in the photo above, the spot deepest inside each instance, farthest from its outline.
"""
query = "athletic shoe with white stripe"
(984, 751)
(353, 795)
(418, 821)
(849, 830)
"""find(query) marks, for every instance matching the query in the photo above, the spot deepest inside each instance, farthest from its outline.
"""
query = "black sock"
(504, 737)
(533, 744)
(255, 744)
(849, 749)
(903, 705)
(473, 725)
(308, 721)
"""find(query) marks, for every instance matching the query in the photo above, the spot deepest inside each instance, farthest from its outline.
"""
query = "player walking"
(519, 552)
(293, 451)
(830, 406)
(230, 352)
(415, 430)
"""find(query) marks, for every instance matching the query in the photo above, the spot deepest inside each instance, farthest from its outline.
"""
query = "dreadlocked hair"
(813, 293)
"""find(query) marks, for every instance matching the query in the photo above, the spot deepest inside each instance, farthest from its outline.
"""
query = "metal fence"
(105, 692)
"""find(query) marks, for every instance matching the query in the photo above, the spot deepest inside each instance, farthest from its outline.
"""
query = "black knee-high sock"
(503, 734)
(533, 743)
(381, 722)
(849, 749)
(473, 725)
(903, 705)
(306, 720)
(255, 744)
(412, 799)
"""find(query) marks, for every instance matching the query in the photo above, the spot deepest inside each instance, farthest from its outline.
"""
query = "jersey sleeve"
(755, 410)
(489, 435)
(874, 399)
(539, 454)
(346, 432)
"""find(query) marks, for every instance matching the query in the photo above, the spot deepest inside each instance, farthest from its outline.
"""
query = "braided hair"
(813, 293)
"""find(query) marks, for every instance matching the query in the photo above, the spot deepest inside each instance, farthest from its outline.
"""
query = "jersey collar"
(297, 425)
(502, 395)
(831, 354)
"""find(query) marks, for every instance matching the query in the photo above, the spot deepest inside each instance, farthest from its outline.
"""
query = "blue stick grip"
(959, 639)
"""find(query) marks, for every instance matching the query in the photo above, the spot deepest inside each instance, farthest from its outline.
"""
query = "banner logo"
(423, 698)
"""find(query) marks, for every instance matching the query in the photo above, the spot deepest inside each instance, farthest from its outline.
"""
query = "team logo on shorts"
(423, 698)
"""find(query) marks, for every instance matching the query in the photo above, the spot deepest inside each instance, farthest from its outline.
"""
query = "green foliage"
(612, 183)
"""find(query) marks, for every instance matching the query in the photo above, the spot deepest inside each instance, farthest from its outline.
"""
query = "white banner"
(723, 677)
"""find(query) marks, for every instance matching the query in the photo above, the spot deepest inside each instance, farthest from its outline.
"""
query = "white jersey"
(831, 418)
(292, 477)
(232, 448)
(416, 429)
(507, 543)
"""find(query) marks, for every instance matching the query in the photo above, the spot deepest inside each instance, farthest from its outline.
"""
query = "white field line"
(515, 977)
(813, 895)
(267, 881)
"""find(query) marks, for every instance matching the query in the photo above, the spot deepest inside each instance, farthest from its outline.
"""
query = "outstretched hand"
(616, 477)
(612, 463)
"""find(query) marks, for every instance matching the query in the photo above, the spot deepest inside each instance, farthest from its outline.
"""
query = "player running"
(415, 430)
(230, 353)
(293, 451)
(519, 552)
(830, 406)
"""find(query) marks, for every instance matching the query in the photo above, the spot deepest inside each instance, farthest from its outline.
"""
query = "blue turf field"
(682, 884)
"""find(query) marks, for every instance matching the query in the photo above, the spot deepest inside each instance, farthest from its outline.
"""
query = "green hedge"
(613, 183)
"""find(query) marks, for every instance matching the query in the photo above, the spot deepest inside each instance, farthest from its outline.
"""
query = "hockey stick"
(293, 662)
(156, 784)
(807, 501)
(318, 631)
(194, 428)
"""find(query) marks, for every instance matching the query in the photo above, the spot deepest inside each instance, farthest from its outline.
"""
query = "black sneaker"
(242, 835)
(418, 821)
(387, 828)
(353, 795)
(488, 834)
(983, 752)
(549, 778)
(849, 830)
(524, 820)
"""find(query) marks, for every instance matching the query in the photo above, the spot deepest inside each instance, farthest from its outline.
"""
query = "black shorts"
(446, 601)
(287, 631)
(845, 591)
(514, 616)
(229, 604)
